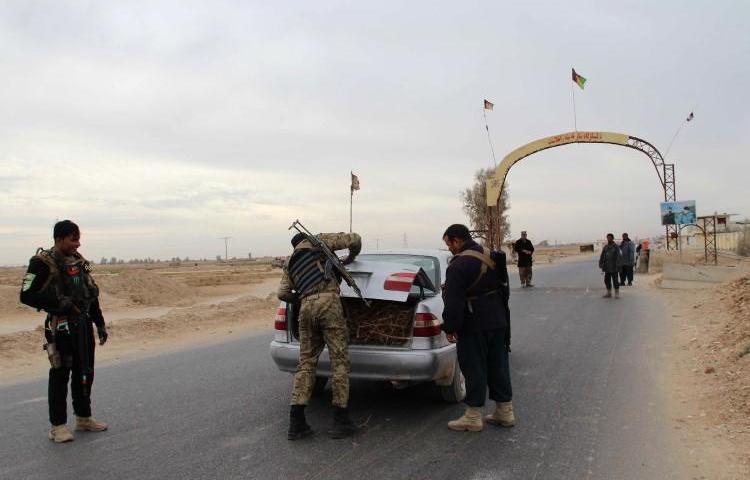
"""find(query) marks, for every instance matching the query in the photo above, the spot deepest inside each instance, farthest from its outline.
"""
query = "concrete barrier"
(680, 276)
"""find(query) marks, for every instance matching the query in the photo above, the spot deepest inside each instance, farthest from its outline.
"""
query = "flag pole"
(351, 203)
(575, 119)
(486, 127)
(684, 122)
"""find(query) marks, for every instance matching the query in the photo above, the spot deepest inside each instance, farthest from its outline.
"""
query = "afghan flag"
(488, 105)
(690, 117)
(578, 79)
(355, 182)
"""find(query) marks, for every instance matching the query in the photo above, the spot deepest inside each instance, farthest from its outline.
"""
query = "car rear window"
(428, 264)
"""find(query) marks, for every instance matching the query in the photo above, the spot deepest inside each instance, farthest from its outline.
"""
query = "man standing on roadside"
(610, 263)
(476, 317)
(627, 249)
(59, 282)
(525, 249)
(309, 279)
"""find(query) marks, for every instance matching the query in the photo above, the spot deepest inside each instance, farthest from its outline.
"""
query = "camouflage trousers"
(321, 323)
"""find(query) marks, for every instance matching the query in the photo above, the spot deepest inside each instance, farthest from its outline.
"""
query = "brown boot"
(60, 434)
(90, 424)
(470, 421)
(608, 294)
(617, 293)
(503, 415)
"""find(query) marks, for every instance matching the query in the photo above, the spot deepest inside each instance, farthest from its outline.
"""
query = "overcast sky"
(160, 126)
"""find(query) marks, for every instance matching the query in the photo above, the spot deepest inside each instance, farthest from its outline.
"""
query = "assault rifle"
(335, 261)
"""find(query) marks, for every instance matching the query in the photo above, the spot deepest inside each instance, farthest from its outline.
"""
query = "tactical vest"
(70, 275)
(307, 269)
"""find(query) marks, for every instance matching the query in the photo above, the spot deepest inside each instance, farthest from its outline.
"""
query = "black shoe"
(298, 427)
(342, 424)
(630, 284)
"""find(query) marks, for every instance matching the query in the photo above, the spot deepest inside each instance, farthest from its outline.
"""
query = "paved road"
(588, 402)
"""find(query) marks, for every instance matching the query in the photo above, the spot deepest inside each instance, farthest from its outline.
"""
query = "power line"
(226, 247)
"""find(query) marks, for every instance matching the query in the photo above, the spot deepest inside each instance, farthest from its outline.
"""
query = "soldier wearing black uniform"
(59, 282)
(477, 318)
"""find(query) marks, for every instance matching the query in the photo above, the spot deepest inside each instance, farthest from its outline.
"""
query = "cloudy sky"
(161, 126)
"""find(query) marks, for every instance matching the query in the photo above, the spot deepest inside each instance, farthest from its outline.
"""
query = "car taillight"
(426, 325)
(280, 322)
(400, 282)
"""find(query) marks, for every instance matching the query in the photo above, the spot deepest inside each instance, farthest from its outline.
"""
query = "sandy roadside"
(211, 314)
(708, 375)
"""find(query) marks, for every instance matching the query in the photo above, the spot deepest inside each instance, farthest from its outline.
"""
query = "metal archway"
(664, 170)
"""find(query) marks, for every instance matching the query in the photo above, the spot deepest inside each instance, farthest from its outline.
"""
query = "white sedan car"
(398, 338)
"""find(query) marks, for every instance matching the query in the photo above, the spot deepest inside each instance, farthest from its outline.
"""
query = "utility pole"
(406, 241)
(377, 244)
(226, 247)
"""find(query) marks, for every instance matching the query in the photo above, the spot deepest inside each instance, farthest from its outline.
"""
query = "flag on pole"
(579, 80)
(690, 117)
(355, 182)
(488, 105)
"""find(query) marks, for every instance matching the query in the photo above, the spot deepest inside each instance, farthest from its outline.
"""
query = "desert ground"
(148, 309)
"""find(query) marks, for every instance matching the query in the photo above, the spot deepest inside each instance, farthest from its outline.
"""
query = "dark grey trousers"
(483, 359)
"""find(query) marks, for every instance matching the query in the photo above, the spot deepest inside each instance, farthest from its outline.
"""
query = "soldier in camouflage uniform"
(310, 279)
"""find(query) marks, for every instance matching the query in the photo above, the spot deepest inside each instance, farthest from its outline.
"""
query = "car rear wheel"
(456, 390)
(320, 385)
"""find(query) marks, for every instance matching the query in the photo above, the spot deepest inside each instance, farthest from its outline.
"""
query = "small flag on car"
(355, 182)
(488, 105)
(579, 80)
(690, 117)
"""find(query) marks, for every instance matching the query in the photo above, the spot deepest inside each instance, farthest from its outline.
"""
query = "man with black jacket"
(476, 317)
(525, 249)
(59, 282)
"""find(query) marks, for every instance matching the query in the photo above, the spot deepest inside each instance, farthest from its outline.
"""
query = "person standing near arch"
(610, 262)
(628, 260)
(525, 249)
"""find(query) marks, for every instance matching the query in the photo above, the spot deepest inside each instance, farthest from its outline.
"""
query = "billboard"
(678, 213)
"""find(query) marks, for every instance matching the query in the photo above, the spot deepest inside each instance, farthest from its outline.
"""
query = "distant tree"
(113, 260)
(474, 201)
(103, 261)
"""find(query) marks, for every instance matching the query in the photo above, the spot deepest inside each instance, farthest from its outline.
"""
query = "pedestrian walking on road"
(59, 282)
(627, 249)
(525, 249)
(610, 263)
(476, 317)
(311, 282)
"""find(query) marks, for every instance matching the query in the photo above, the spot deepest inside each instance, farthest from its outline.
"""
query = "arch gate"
(664, 170)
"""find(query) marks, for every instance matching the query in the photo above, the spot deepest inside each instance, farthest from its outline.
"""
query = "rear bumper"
(379, 363)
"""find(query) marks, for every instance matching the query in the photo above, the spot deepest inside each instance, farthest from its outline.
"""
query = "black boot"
(342, 424)
(298, 427)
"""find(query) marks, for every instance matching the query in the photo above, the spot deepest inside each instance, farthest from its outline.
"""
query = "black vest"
(307, 269)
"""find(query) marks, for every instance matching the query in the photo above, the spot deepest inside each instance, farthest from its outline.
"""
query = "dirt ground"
(149, 310)
(709, 374)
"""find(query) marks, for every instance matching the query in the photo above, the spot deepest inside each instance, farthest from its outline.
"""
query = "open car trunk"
(384, 323)
(393, 290)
